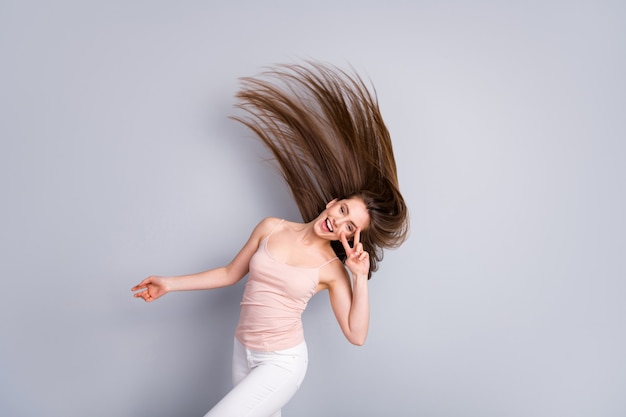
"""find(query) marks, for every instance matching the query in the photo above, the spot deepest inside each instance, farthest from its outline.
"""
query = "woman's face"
(343, 216)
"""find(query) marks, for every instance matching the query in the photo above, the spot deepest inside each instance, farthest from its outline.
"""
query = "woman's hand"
(151, 288)
(357, 260)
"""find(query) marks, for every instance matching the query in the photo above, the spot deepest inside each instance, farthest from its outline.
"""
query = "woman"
(325, 130)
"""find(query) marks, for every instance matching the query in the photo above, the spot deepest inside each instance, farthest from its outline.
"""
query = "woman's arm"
(155, 287)
(350, 302)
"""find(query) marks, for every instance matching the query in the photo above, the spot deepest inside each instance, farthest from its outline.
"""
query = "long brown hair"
(324, 127)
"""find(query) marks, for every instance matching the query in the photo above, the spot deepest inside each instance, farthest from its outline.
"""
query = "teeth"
(329, 225)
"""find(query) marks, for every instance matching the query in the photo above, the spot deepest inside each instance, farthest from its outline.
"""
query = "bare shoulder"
(265, 227)
(269, 222)
(262, 229)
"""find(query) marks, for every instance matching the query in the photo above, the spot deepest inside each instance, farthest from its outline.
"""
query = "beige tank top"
(274, 298)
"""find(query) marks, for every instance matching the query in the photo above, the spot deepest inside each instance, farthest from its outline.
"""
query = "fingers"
(143, 284)
(357, 236)
(144, 290)
(356, 252)
(359, 249)
(344, 242)
(147, 297)
(358, 260)
(355, 241)
(363, 255)
(359, 252)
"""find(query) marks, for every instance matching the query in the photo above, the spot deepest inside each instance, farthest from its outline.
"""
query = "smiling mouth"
(329, 226)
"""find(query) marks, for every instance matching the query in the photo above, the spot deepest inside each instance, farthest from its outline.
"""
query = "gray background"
(118, 161)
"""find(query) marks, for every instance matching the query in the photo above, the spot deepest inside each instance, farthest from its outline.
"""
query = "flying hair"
(325, 130)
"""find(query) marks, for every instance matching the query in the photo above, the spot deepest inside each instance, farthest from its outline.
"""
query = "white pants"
(264, 381)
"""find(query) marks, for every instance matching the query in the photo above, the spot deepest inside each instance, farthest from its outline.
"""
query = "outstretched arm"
(155, 287)
(350, 301)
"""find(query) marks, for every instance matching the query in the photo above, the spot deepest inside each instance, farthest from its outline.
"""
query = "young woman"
(325, 130)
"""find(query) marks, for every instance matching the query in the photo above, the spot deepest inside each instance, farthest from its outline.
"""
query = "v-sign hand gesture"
(357, 260)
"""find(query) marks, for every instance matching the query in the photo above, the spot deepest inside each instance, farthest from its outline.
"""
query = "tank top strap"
(267, 238)
(274, 228)
(327, 262)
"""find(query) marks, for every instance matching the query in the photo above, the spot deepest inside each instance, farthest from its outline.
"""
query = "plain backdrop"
(118, 160)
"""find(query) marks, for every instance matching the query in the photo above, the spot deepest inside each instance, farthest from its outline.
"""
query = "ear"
(331, 202)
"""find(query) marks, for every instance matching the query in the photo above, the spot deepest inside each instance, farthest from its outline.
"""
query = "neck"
(306, 234)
